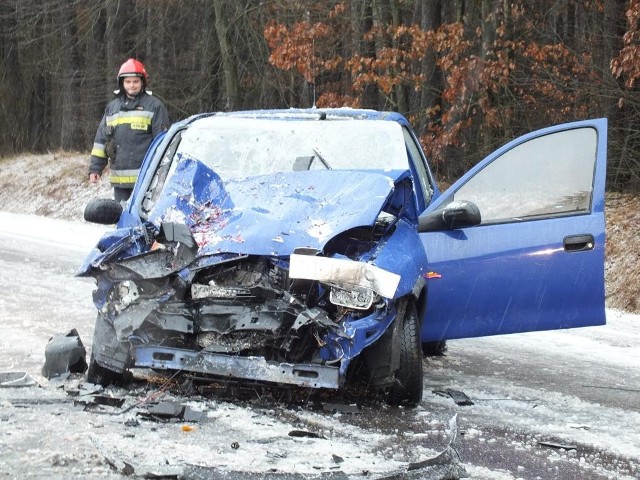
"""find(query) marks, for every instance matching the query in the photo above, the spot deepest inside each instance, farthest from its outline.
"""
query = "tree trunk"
(111, 63)
(67, 85)
(226, 52)
(12, 122)
(460, 10)
(430, 93)
(488, 26)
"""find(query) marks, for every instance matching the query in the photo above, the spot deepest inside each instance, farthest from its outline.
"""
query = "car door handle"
(579, 243)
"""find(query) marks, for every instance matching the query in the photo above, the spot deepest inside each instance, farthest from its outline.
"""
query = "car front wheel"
(407, 389)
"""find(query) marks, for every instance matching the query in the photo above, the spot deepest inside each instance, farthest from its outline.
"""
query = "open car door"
(534, 257)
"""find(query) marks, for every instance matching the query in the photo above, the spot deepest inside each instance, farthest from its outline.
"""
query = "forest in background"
(469, 74)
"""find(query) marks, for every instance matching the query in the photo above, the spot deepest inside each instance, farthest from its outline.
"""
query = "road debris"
(16, 379)
(306, 433)
(560, 446)
(172, 411)
(328, 407)
(459, 397)
(64, 354)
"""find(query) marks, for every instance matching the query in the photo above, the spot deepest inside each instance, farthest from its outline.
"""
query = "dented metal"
(255, 368)
(267, 273)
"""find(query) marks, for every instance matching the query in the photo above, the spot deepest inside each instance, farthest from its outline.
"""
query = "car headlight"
(359, 298)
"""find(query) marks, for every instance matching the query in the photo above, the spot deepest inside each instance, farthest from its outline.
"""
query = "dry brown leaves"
(622, 266)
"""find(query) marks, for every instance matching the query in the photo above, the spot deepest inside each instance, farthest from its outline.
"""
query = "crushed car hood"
(270, 214)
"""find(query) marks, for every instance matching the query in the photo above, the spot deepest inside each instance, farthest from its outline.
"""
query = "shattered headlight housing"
(360, 298)
(353, 284)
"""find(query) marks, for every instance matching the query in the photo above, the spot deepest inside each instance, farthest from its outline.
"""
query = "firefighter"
(129, 124)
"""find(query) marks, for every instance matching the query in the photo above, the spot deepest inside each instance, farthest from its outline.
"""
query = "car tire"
(407, 389)
(100, 375)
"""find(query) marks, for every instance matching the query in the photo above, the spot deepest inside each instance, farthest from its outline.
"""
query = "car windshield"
(242, 147)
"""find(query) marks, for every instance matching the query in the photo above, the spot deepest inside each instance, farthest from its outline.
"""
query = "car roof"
(311, 114)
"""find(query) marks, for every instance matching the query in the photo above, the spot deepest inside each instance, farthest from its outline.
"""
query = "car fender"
(402, 253)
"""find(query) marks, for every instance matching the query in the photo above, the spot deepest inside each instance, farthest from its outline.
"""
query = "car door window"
(546, 176)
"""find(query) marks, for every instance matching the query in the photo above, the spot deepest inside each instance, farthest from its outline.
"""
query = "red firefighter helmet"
(132, 68)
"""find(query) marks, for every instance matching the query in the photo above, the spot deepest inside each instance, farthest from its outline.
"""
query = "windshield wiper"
(321, 158)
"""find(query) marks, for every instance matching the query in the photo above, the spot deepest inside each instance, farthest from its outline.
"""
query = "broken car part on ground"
(313, 248)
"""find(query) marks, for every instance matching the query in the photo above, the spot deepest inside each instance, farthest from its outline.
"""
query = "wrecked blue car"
(312, 248)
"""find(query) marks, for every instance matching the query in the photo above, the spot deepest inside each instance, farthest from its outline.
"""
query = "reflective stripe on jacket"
(123, 178)
(124, 134)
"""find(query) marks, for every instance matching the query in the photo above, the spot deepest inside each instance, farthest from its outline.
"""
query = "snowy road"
(531, 393)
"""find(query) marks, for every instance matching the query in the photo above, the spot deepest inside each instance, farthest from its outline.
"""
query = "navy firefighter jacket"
(124, 134)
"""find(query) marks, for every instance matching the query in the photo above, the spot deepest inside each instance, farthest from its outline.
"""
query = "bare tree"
(468, 74)
(226, 52)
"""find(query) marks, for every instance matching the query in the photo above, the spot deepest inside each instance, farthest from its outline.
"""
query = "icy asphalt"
(550, 405)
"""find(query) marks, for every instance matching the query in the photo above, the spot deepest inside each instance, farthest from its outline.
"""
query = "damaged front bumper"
(296, 321)
(236, 367)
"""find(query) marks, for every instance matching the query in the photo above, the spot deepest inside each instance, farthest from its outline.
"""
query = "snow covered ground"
(578, 388)
(574, 388)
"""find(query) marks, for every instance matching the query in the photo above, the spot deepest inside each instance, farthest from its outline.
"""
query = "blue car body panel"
(486, 279)
(270, 214)
(518, 276)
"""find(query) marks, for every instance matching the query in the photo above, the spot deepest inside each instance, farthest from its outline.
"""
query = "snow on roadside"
(52, 185)
(80, 236)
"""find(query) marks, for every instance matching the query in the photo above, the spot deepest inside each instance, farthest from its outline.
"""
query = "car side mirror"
(104, 211)
(452, 216)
